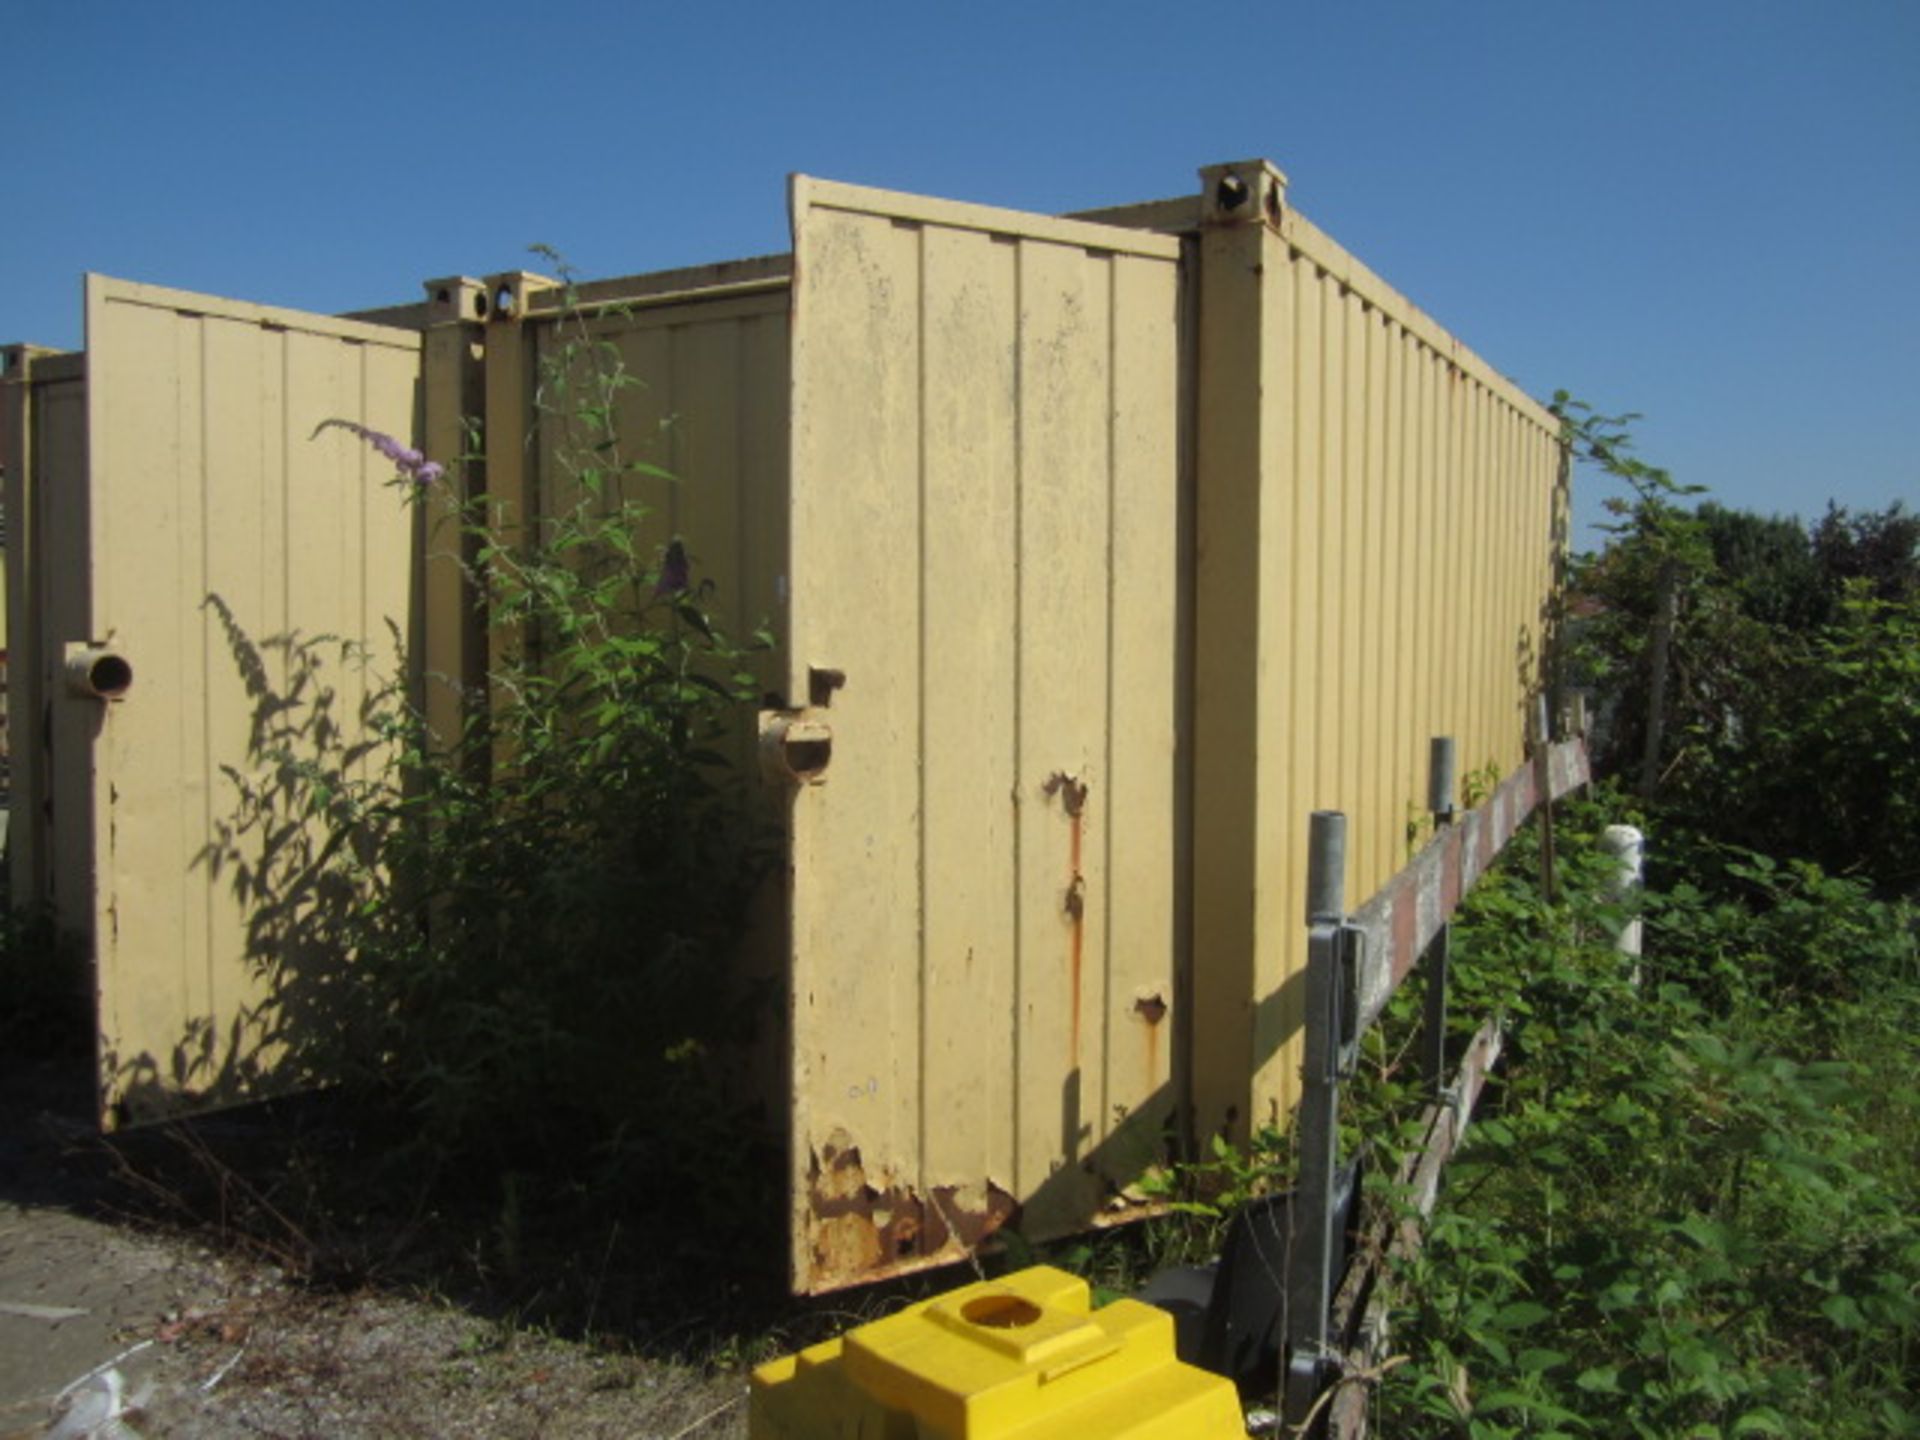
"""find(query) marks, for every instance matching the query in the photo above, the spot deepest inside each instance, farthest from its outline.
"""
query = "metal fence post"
(1433, 1034)
(1543, 794)
(1310, 1260)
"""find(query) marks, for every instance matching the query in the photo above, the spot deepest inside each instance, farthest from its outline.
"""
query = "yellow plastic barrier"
(1022, 1358)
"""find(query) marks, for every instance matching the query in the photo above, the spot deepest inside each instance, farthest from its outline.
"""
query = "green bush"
(1787, 709)
(540, 914)
(1686, 1208)
(48, 1006)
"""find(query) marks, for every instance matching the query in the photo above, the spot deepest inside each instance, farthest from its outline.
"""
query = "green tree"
(1755, 676)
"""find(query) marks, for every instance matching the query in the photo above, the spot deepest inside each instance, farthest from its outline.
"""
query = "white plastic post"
(1628, 847)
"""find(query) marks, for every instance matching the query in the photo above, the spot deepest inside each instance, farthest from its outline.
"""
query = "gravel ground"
(173, 1341)
(119, 1330)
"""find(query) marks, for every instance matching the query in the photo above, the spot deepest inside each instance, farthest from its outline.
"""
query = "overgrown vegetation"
(509, 953)
(1687, 1208)
(1758, 677)
(545, 962)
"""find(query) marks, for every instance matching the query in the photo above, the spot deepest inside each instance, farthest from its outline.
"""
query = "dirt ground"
(120, 1329)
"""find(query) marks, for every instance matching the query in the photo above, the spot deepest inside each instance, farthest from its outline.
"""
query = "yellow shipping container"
(1097, 551)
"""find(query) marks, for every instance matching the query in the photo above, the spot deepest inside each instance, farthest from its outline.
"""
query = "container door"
(242, 574)
(985, 664)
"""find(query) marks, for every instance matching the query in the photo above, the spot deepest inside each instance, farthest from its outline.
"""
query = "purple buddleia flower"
(674, 574)
(408, 461)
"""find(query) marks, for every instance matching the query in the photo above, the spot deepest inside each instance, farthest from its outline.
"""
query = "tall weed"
(539, 914)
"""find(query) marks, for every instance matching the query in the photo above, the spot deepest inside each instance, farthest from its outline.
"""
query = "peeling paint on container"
(867, 1226)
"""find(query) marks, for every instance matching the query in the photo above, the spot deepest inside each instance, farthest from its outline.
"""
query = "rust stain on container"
(1073, 799)
(1076, 913)
(869, 1226)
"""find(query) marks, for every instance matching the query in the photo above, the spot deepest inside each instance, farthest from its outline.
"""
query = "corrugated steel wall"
(985, 545)
(1379, 515)
(46, 463)
(710, 410)
(1426, 496)
(214, 503)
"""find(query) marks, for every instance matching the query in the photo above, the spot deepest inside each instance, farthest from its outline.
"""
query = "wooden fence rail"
(1335, 1327)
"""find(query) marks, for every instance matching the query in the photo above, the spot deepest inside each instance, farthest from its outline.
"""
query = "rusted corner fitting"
(455, 298)
(1242, 192)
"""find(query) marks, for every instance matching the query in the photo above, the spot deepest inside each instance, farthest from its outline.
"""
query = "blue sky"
(1706, 212)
